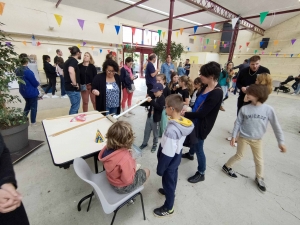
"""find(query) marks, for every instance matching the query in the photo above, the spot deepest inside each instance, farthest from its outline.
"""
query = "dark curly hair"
(111, 63)
(211, 69)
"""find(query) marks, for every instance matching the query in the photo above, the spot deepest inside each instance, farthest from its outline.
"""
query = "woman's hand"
(132, 78)
(12, 190)
(96, 92)
(8, 202)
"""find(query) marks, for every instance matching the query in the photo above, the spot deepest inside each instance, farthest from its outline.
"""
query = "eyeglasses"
(110, 71)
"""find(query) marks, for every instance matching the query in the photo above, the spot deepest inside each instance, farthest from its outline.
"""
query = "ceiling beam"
(129, 7)
(58, 2)
(272, 14)
(225, 13)
(216, 32)
(203, 25)
(175, 17)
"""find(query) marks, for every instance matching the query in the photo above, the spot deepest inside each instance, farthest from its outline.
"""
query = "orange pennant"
(92, 47)
(181, 30)
(2, 4)
(101, 25)
(213, 25)
(24, 43)
(276, 42)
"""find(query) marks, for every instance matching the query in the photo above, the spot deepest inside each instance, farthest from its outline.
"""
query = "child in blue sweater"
(169, 152)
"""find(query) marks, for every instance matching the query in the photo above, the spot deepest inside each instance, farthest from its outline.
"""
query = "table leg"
(83, 199)
(96, 163)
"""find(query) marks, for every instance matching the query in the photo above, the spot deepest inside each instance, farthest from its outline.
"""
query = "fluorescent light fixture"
(164, 13)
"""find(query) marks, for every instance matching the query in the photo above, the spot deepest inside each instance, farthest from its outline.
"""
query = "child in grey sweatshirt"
(252, 123)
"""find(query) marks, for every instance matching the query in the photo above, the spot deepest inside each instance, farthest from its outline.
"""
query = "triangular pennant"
(213, 25)
(163, 34)
(195, 37)
(234, 21)
(159, 32)
(292, 55)
(204, 46)
(247, 44)
(100, 50)
(261, 43)
(58, 19)
(83, 43)
(262, 52)
(195, 29)
(24, 43)
(240, 47)
(8, 44)
(263, 16)
(81, 23)
(214, 41)
(276, 42)
(225, 45)
(101, 25)
(247, 49)
(255, 51)
(207, 41)
(284, 55)
(188, 48)
(117, 27)
(276, 54)
(133, 30)
(215, 46)
(177, 33)
(2, 4)
(222, 42)
(219, 42)
(298, 55)
(293, 41)
(78, 46)
(108, 51)
(49, 49)
(181, 30)
(270, 53)
(38, 43)
(110, 44)
(201, 39)
(92, 48)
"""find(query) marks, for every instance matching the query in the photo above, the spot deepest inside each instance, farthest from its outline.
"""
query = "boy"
(169, 152)
(252, 123)
(154, 115)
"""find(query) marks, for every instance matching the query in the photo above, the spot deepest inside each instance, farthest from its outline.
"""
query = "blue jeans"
(198, 149)
(111, 110)
(62, 85)
(31, 105)
(74, 97)
(297, 89)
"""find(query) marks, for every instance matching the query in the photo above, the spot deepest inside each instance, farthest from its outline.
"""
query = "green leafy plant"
(161, 50)
(9, 116)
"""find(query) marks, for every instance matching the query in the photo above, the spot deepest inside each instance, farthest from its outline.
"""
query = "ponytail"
(188, 83)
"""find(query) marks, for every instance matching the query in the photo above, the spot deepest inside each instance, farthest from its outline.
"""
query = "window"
(138, 36)
(127, 34)
(155, 38)
(147, 37)
(141, 36)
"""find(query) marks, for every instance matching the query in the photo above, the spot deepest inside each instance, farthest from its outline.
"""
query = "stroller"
(280, 86)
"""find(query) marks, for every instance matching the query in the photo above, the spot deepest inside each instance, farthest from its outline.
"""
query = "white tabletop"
(79, 142)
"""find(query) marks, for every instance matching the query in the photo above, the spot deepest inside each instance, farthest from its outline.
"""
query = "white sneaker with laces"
(64, 96)
(55, 96)
(45, 96)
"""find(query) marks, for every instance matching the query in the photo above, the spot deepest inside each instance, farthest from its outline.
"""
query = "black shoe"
(196, 178)
(187, 156)
(162, 212)
(153, 149)
(161, 191)
(229, 171)
(260, 184)
(143, 146)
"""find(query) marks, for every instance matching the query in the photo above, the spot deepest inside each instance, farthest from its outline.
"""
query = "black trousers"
(52, 83)
(149, 92)
(16, 217)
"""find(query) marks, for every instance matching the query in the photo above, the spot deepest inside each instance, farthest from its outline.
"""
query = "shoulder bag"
(132, 85)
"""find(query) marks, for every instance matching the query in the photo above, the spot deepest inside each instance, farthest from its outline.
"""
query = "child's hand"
(138, 101)
(282, 148)
(232, 142)
(149, 99)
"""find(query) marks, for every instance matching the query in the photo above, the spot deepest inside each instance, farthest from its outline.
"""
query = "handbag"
(83, 86)
(132, 89)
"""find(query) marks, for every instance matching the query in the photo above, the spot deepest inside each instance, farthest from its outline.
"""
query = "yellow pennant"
(194, 37)
(78, 46)
(58, 19)
(177, 33)
(163, 34)
(270, 53)
(101, 25)
(215, 46)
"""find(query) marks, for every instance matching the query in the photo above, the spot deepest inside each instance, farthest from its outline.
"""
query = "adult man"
(167, 68)
(242, 66)
(58, 54)
(247, 76)
(150, 74)
(187, 67)
(72, 79)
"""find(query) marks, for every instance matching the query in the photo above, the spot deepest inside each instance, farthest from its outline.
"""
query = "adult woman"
(87, 74)
(107, 88)
(204, 115)
(127, 83)
(51, 75)
(28, 90)
(60, 71)
(224, 80)
(12, 210)
(180, 70)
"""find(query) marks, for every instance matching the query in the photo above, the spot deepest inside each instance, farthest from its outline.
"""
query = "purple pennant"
(8, 44)
(81, 23)
(204, 46)
(293, 41)
(83, 43)
(276, 54)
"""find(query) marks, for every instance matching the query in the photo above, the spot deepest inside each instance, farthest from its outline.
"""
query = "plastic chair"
(110, 200)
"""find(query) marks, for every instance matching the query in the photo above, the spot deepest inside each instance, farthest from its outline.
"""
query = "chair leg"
(83, 199)
(88, 208)
(113, 219)
(142, 205)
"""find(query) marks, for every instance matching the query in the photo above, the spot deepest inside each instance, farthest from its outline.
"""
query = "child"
(252, 123)
(185, 90)
(169, 152)
(117, 159)
(161, 78)
(154, 115)
(197, 85)
(265, 79)
(173, 85)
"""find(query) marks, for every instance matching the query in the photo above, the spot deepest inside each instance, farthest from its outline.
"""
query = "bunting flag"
(177, 33)
(262, 52)
(276, 54)
(83, 43)
(195, 29)
(181, 30)
(110, 44)
(214, 41)
(222, 42)
(117, 27)
(293, 41)
(263, 16)
(247, 44)
(188, 48)
(225, 45)
(255, 51)
(292, 55)
(240, 47)
(270, 53)
(101, 25)
(215, 46)
(219, 42)
(276, 42)
(92, 48)
(33, 40)
(213, 25)
(100, 50)
(204, 47)
(8, 44)
(234, 21)
(159, 32)
(261, 43)
(284, 55)
(58, 19)
(133, 30)
(201, 39)
(24, 43)
(2, 4)
(81, 23)
(78, 46)
(195, 37)
(49, 49)
(108, 51)
(247, 49)
(163, 34)
(38, 43)
(207, 41)
(298, 55)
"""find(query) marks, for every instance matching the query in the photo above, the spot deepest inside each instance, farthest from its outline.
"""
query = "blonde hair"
(163, 77)
(91, 58)
(188, 83)
(120, 135)
(265, 79)
(175, 101)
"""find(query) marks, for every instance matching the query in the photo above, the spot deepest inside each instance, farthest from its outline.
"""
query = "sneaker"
(45, 96)
(54, 96)
(162, 212)
(153, 149)
(34, 124)
(196, 178)
(293, 94)
(222, 109)
(229, 138)
(161, 191)
(260, 184)
(143, 146)
(235, 144)
(132, 113)
(64, 96)
(229, 171)
(187, 156)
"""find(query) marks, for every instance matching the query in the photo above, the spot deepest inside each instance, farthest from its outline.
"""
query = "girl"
(265, 79)
(116, 156)
(197, 85)
(185, 90)
(173, 85)
(161, 78)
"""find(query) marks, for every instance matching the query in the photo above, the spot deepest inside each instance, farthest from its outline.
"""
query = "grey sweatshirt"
(252, 122)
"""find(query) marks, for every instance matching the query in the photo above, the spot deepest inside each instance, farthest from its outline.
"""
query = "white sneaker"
(55, 96)
(235, 144)
(34, 124)
(229, 138)
(293, 94)
(45, 96)
(64, 96)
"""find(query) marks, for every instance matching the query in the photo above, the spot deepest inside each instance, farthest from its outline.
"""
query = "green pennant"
(255, 51)
(207, 41)
(159, 32)
(263, 16)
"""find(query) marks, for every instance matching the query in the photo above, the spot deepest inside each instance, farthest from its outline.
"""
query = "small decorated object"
(99, 138)
(79, 118)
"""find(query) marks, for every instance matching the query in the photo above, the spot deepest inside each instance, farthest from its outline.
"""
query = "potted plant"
(161, 50)
(13, 122)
